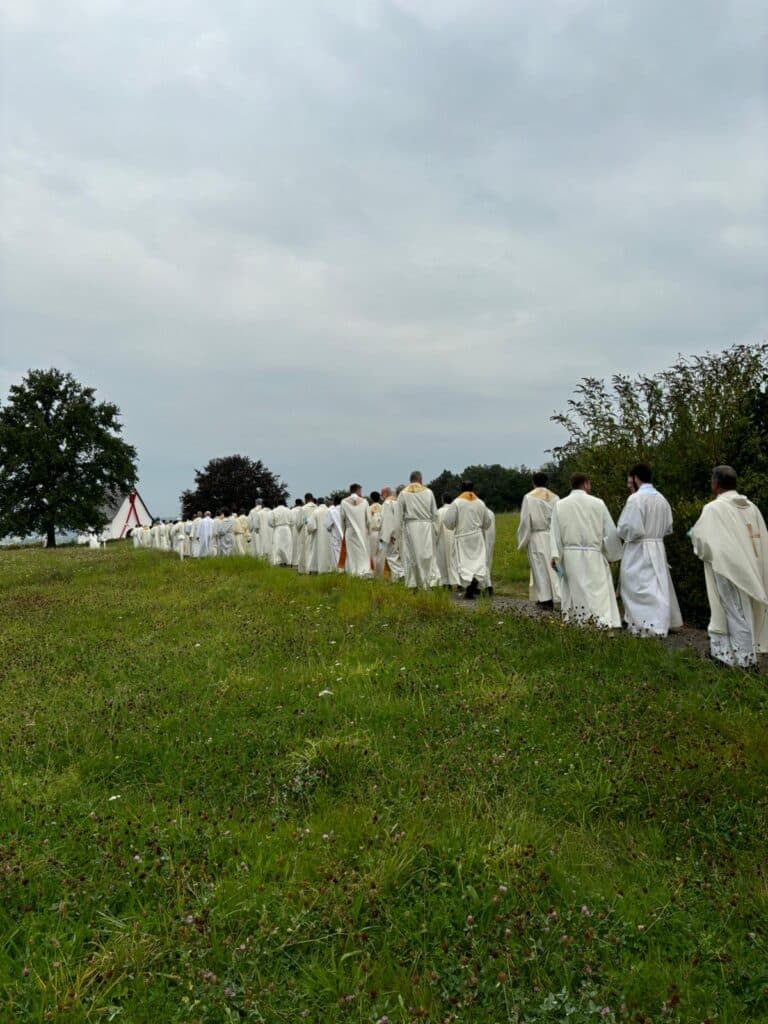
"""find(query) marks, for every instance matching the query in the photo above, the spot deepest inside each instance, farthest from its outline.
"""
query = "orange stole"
(468, 496)
(343, 553)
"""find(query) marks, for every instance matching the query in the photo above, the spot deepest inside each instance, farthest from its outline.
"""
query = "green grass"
(489, 819)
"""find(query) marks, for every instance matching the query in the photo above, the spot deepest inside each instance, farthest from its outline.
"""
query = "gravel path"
(683, 639)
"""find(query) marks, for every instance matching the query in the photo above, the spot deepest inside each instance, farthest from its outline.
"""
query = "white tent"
(124, 515)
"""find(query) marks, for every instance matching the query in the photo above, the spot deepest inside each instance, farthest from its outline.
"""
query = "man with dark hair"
(254, 529)
(335, 530)
(240, 520)
(266, 535)
(730, 538)
(225, 533)
(445, 553)
(389, 541)
(307, 542)
(321, 541)
(377, 555)
(281, 551)
(417, 523)
(356, 522)
(584, 540)
(647, 591)
(533, 538)
(470, 520)
(297, 513)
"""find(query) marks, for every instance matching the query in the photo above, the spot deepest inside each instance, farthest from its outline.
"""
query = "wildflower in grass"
(503, 889)
(115, 797)
(325, 693)
(585, 911)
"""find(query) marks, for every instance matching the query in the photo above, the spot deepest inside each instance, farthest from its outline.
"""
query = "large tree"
(232, 482)
(62, 460)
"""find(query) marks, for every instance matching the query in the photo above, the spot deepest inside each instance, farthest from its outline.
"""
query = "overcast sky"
(351, 237)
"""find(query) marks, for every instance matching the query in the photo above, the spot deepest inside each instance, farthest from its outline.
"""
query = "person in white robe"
(584, 541)
(645, 583)
(356, 524)
(254, 530)
(316, 528)
(136, 537)
(300, 513)
(469, 518)
(240, 531)
(190, 529)
(307, 542)
(215, 535)
(731, 540)
(296, 523)
(417, 523)
(177, 537)
(226, 534)
(265, 533)
(145, 536)
(335, 531)
(389, 540)
(533, 538)
(374, 512)
(205, 536)
(165, 536)
(445, 549)
(282, 541)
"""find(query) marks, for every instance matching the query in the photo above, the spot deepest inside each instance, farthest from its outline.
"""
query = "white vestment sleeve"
(631, 526)
(451, 517)
(611, 539)
(524, 529)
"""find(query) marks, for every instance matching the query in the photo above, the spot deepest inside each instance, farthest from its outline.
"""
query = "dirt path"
(683, 639)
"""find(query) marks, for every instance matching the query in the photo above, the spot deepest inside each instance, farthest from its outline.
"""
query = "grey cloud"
(252, 225)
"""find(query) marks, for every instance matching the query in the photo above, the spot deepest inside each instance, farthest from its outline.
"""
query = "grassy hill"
(486, 819)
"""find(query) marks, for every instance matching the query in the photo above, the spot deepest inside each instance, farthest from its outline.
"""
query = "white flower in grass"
(325, 693)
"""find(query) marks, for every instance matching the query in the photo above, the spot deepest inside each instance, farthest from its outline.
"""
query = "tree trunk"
(50, 536)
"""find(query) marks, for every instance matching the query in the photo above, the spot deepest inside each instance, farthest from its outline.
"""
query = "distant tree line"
(501, 487)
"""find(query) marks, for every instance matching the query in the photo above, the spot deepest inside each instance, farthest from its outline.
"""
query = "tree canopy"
(701, 412)
(62, 460)
(232, 482)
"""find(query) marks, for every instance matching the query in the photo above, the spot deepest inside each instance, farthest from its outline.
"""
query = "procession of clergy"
(569, 542)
